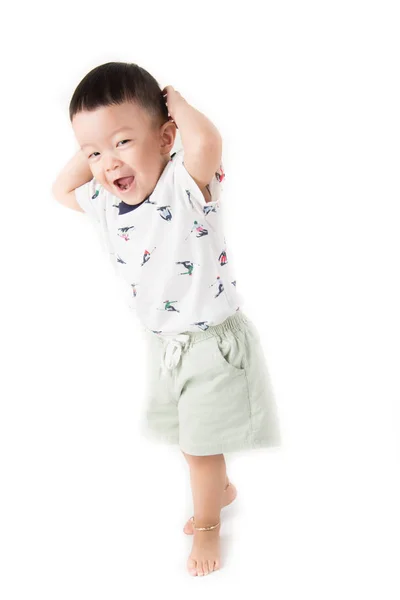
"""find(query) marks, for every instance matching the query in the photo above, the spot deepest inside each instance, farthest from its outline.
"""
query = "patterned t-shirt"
(170, 250)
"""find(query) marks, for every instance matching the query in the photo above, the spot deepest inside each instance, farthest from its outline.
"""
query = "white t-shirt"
(170, 250)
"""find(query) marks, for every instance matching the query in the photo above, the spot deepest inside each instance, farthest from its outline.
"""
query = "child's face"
(144, 154)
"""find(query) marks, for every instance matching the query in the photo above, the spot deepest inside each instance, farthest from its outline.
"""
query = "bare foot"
(230, 493)
(205, 555)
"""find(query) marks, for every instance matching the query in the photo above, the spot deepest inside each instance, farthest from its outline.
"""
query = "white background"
(306, 97)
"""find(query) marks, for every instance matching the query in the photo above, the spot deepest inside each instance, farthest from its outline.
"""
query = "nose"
(111, 168)
(110, 162)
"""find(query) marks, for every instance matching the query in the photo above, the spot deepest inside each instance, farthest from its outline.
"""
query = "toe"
(206, 568)
(200, 569)
(211, 565)
(191, 565)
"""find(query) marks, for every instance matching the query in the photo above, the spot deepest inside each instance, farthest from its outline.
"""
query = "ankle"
(201, 524)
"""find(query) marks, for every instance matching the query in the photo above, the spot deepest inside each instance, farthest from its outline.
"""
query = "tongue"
(125, 180)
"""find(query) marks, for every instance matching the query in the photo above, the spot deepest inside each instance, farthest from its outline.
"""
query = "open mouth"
(124, 184)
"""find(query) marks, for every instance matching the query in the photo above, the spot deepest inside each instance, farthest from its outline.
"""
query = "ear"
(169, 133)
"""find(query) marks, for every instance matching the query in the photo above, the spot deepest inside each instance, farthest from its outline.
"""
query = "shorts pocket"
(230, 351)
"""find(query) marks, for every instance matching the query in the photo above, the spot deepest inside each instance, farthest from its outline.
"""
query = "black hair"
(114, 83)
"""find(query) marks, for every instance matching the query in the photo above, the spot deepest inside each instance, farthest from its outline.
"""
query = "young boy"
(208, 387)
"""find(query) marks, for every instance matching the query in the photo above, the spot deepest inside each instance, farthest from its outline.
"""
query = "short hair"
(114, 83)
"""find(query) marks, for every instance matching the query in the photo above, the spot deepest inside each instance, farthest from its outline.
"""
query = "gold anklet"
(211, 526)
(204, 528)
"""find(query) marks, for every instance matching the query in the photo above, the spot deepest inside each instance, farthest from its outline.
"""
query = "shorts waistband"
(175, 344)
(232, 323)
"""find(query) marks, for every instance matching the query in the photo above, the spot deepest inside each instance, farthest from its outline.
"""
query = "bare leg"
(188, 456)
(207, 478)
(229, 493)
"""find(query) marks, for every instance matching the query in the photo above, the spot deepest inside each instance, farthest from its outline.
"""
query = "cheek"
(104, 183)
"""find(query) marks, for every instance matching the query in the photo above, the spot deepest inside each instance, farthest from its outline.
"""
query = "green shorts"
(209, 391)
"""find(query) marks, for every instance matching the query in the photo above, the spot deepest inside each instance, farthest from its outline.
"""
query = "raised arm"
(75, 173)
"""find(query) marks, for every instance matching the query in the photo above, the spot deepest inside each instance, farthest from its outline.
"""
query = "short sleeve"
(185, 183)
(91, 199)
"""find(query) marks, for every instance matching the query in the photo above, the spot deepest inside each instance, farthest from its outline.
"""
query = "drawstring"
(173, 350)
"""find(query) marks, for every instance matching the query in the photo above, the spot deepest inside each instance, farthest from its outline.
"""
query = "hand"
(172, 98)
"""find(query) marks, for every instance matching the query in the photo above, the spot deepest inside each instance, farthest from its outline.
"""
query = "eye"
(120, 142)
